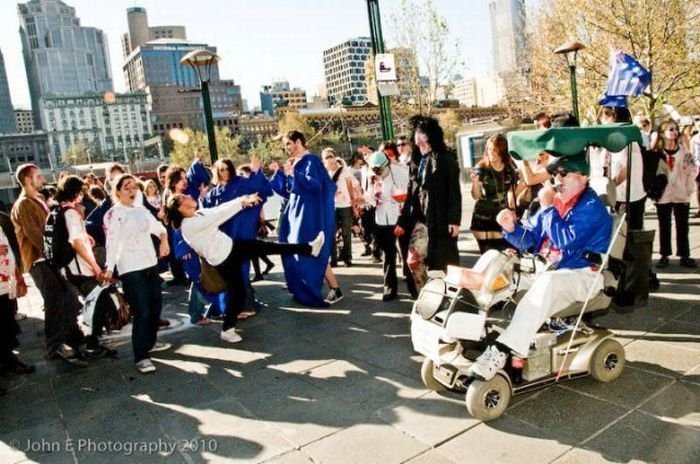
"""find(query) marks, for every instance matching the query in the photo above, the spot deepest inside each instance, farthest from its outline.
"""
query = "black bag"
(654, 182)
(57, 250)
(633, 288)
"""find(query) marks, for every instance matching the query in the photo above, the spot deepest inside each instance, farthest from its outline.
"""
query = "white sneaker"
(334, 296)
(486, 365)
(145, 366)
(160, 346)
(317, 244)
(230, 335)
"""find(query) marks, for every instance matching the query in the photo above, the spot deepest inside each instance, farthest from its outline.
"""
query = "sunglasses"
(671, 129)
(561, 172)
(402, 144)
(377, 169)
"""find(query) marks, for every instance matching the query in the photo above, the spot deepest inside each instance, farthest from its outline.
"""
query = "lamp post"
(201, 62)
(375, 30)
(566, 50)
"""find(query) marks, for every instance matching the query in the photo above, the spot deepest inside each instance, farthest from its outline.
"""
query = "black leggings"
(241, 252)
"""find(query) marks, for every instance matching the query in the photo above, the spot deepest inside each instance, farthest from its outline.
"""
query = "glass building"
(61, 56)
(7, 115)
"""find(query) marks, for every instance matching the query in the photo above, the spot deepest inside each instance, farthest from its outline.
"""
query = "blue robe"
(310, 209)
(244, 225)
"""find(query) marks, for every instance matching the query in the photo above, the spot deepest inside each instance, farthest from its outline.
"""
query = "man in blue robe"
(310, 209)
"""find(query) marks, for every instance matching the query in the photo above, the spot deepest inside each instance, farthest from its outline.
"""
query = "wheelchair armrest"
(593, 257)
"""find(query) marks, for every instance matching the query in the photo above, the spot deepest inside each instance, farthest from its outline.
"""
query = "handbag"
(210, 279)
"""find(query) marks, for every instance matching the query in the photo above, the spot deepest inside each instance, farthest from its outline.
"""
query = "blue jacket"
(586, 227)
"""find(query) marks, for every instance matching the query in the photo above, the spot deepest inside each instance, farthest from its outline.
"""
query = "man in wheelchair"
(571, 223)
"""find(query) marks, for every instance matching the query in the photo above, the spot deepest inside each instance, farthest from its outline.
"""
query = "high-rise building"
(508, 35)
(465, 91)
(158, 63)
(344, 67)
(279, 94)
(140, 32)
(24, 121)
(61, 56)
(155, 67)
(7, 117)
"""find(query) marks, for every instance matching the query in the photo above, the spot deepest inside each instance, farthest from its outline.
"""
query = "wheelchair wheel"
(426, 375)
(488, 400)
(607, 361)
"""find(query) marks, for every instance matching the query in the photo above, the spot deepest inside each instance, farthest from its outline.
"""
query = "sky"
(260, 41)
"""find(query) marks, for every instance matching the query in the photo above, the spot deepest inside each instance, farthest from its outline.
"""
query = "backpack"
(57, 250)
(653, 180)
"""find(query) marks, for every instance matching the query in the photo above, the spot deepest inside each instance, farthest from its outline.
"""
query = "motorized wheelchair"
(452, 325)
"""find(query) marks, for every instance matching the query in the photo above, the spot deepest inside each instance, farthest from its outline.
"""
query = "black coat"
(436, 202)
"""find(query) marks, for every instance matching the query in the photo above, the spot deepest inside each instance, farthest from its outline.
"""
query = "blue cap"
(377, 160)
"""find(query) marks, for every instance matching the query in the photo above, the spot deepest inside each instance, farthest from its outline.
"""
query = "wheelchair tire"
(607, 361)
(488, 400)
(426, 375)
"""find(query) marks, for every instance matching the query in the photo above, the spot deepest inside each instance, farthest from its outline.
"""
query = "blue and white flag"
(627, 76)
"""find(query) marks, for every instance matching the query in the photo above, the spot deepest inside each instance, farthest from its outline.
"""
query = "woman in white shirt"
(130, 251)
(200, 229)
(387, 190)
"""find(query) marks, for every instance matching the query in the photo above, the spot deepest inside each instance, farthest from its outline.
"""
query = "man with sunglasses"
(572, 220)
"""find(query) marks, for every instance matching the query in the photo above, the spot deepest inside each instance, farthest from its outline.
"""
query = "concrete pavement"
(342, 385)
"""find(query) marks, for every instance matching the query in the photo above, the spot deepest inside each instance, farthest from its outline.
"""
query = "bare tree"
(663, 35)
(420, 28)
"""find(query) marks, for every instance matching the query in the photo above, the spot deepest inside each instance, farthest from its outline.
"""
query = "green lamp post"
(570, 52)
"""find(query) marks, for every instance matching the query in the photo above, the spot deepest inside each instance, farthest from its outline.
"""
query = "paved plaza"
(342, 385)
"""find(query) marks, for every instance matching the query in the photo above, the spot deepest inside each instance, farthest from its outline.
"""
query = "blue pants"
(196, 304)
(142, 292)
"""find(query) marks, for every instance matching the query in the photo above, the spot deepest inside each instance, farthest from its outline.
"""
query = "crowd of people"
(403, 201)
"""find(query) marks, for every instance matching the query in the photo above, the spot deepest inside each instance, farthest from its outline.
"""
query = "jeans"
(680, 212)
(61, 307)
(196, 304)
(142, 292)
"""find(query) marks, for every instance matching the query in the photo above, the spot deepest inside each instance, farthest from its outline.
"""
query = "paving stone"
(293, 457)
(502, 441)
(365, 443)
(678, 333)
(430, 457)
(40, 442)
(302, 413)
(678, 403)
(646, 438)
(432, 419)
(632, 388)
(661, 357)
(553, 409)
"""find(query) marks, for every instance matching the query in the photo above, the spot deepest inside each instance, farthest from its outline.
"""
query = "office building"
(61, 56)
(344, 68)
(24, 121)
(508, 35)
(112, 126)
(279, 94)
(7, 117)
(16, 149)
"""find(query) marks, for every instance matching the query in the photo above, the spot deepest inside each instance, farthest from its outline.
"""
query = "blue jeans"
(142, 292)
(196, 304)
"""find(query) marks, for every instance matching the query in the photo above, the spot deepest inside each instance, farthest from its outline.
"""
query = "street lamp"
(375, 30)
(201, 62)
(566, 50)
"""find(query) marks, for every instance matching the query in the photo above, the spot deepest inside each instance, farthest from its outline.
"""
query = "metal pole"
(209, 122)
(574, 91)
(375, 29)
